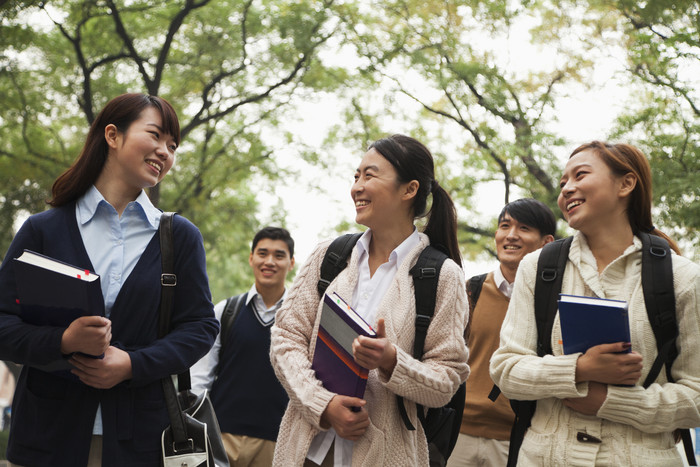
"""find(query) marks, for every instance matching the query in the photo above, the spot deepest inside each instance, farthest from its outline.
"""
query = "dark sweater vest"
(247, 397)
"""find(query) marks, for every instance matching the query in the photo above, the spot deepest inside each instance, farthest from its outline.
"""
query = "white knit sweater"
(430, 382)
(634, 424)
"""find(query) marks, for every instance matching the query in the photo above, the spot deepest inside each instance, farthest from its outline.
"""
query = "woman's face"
(376, 192)
(591, 195)
(145, 152)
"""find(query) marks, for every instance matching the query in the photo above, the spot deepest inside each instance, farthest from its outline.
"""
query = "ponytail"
(441, 227)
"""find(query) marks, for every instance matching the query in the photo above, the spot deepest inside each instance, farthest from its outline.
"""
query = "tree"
(451, 59)
(663, 51)
(460, 62)
(230, 68)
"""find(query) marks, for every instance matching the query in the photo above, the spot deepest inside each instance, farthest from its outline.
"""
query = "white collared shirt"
(203, 373)
(366, 298)
(502, 283)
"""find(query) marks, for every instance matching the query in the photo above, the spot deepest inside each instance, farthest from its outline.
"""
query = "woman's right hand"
(90, 335)
(347, 423)
(608, 364)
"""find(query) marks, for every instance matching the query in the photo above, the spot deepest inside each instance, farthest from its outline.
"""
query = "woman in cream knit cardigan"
(319, 427)
(583, 416)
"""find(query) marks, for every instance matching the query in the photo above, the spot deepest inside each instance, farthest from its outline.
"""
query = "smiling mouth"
(359, 204)
(573, 204)
(155, 165)
(511, 247)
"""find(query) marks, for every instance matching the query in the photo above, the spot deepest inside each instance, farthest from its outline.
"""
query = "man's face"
(271, 262)
(514, 240)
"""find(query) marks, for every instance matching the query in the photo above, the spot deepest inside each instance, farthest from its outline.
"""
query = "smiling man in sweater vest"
(248, 400)
(524, 226)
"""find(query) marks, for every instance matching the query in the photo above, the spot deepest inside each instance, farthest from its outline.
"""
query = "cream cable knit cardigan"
(430, 382)
(634, 424)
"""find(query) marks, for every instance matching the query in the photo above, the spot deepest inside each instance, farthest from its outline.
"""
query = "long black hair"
(413, 161)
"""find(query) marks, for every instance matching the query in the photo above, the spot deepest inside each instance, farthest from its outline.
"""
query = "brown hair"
(623, 159)
(121, 111)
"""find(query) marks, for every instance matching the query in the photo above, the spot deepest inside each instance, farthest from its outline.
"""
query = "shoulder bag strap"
(168, 281)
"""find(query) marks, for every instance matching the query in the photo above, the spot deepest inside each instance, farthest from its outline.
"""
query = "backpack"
(657, 285)
(228, 317)
(474, 285)
(441, 424)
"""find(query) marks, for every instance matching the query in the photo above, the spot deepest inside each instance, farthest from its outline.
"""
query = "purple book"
(333, 360)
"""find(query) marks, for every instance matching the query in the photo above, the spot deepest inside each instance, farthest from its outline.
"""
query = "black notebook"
(54, 293)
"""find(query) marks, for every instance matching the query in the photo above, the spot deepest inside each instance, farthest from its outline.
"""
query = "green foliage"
(663, 52)
(489, 121)
(230, 68)
(447, 72)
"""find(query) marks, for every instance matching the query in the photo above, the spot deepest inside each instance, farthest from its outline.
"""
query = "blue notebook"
(591, 321)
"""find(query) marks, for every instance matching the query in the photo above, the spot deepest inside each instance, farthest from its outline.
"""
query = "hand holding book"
(610, 364)
(90, 335)
(375, 352)
(599, 328)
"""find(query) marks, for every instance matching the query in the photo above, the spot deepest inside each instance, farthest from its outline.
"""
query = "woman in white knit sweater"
(392, 185)
(606, 196)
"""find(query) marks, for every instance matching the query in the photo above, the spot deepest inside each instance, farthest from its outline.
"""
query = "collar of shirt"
(265, 314)
(370, 290)
(396, 257)
(88, 204)
(502, 283)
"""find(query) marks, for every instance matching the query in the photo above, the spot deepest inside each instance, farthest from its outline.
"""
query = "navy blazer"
(53, 416)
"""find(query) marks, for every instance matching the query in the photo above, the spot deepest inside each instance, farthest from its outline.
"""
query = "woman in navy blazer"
(107, 411)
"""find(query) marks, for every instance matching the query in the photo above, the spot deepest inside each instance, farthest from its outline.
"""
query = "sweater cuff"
(621, 404)
(399, 377)
(317, 405)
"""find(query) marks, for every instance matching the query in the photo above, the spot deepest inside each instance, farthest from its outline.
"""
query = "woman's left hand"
(103, 373)
(375, 352)
(591, 403)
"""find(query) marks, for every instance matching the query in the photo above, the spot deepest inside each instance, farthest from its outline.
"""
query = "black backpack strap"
(550, 272)
(660, 300)
(336, 259)
(228, 318)
(426, 273)
(474, 285)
